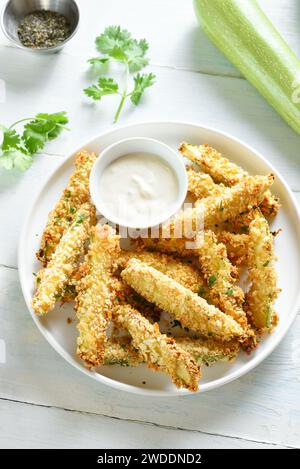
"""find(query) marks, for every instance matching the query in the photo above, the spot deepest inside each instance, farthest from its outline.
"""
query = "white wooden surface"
(43, 401)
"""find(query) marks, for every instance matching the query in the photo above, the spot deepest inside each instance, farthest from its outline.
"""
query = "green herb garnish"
(117, 45)
(229, 291)
(202, 291)
(80, 219)
(212, 279)
(266, 264)
(17, 150)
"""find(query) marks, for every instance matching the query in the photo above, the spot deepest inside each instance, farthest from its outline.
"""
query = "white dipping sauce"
(138, 189)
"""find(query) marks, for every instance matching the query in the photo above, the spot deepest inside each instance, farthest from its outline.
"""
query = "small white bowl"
(136, 145)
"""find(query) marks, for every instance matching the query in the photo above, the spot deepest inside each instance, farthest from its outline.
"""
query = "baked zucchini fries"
(230, 204)
(159, 351)
(190, 309)
(224, 171)
(263, 290)
(74, 195)
(53, 279)
(95, 295)
(120, 351)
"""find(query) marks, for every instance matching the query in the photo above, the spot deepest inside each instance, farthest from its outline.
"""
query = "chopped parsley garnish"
(212, 279)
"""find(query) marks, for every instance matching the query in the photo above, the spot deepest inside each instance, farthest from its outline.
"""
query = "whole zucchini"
(241, 30)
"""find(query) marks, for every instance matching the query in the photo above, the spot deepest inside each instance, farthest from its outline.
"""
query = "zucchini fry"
(60, 218)
(95, 295)
(263, 291)
(53, 279)
(201, 185)
(171, 246)
(160, 352)
(120, 351)
(219, 274)
(224, 171)
(237, 246)
(183, 273)
(233, 201)
(190, 309)
(209, 351)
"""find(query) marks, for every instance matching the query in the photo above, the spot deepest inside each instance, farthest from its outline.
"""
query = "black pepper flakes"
(43, 29)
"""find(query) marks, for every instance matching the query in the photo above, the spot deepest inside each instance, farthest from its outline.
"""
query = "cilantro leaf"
(136, 55)
(42, 128)
(117, 44)
(104, 87)
(10, 139)
(98, 60)
(141, 82)
(16, 150)
(114, 41)
(11, 159)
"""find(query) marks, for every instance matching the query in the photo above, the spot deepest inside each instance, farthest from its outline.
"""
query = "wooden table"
(43, 401)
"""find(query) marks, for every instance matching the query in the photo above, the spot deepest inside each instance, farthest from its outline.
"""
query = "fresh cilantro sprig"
(117, 45)
(17, 149)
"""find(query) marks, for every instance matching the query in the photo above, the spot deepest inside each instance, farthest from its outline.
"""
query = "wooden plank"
(40, 427)
(175, 40)
(262, 406)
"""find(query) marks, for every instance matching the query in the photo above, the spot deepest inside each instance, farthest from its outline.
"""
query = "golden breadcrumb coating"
(202, 185)
(160, 352)
(237, 246)
(263, 290)
(190, 309)
(95, 296)
(53, 279)
(184, 273)
(220, 276)
(120, 351)
(227, 206)
(74, 195)
(124, 294)
(172, 246)
(209, 351)
(224, 171)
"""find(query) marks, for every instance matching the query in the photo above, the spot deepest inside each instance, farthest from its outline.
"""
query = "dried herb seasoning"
(43, 29)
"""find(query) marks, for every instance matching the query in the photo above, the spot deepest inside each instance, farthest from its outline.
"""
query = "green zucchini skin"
(241, 30)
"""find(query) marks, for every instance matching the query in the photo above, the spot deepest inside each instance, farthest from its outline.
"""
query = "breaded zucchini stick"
(160, 352)
(202, 185)
(172, 246)
(209, 351)
(219, 274)
(233, 201)
(120, 351)
(224, 171)
(263, 291)
(190, 309)
(76, 193)
(53, 279)
(95, 295)
(237, 246)
(185, 274)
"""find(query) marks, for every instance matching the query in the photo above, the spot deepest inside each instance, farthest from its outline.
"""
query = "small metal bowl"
(14, 11)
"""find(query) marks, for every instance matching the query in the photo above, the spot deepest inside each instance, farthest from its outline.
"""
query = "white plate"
(62, 336)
